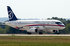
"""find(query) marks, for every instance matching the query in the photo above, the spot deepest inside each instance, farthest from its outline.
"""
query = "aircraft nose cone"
(63, 27)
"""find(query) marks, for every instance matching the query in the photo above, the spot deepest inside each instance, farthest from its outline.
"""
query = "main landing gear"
(39, 31)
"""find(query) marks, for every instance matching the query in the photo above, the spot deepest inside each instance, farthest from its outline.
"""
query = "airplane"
(34, 26)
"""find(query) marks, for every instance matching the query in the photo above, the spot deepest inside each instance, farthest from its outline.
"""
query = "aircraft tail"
(11, 14)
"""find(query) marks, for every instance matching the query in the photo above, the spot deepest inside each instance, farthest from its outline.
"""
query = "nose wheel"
(56, 31)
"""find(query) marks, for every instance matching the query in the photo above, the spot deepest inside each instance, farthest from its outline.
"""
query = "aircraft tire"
(28, 32)
(41, 32)
(56, 32)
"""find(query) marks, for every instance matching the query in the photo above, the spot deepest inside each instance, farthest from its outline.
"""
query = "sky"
(41, 9)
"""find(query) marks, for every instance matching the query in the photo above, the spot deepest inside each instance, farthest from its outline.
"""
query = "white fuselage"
(31, 25)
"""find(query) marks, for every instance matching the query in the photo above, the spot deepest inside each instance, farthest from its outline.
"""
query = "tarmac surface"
(34, 34)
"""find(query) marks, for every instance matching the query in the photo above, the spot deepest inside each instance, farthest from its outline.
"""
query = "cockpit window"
(59, 23)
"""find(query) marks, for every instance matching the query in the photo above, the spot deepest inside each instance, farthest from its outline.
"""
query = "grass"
(34, 41)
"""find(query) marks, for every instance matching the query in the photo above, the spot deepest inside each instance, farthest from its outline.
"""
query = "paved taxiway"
(34, 34)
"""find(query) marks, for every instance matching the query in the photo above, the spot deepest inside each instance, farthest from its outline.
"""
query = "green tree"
(67, 29)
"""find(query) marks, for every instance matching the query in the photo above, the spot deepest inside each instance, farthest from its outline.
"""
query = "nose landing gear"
(56, 31)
